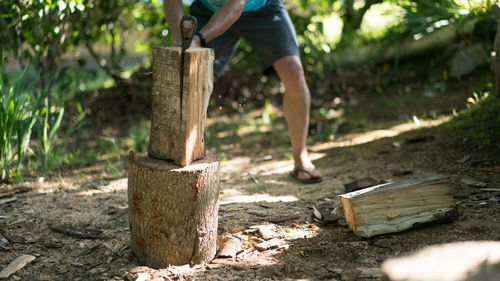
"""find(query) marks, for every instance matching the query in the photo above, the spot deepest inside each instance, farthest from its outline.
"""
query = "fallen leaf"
(238, 229)
(270, 244)
(360, 184)
(473, 182)
(16, 265)
(229, 248)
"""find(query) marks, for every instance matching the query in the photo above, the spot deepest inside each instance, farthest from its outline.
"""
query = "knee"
(295, 71)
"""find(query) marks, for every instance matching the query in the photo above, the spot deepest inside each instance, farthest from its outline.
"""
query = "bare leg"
(296, 103)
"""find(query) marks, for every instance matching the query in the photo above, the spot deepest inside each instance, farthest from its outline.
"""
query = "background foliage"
(49, 46)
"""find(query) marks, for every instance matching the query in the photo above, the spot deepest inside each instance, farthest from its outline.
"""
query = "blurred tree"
(52, 28)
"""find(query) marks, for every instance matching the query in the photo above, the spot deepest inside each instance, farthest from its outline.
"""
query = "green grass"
(479, 124)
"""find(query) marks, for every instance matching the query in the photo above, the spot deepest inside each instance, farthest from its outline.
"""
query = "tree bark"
(173, 210)
(179, 111)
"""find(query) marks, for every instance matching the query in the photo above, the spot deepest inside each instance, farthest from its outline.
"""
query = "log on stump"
(398, 206)
(459, 261)
(173, 210)
(179, 111)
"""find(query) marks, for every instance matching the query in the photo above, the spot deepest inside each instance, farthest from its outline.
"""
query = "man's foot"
(306, 175)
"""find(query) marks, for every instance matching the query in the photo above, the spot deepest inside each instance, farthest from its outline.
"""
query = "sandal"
(311, 179)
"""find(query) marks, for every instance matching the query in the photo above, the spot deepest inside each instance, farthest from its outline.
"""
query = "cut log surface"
(398, 206)
(179, 115)
(459, 261)
(173, 210)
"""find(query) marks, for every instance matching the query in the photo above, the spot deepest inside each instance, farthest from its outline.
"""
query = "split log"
(397, 206)
(173, 210)
(179, 104)
(459, 261)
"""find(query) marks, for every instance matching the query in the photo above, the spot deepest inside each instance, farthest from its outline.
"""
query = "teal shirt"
(250, 5)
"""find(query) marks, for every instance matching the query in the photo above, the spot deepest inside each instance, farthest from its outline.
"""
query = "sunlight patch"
(255, 198)
(360, 138)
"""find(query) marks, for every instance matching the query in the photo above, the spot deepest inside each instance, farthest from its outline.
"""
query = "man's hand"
(196, 41)
(216, 26)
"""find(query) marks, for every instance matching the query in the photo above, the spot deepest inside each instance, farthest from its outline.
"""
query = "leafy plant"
(114, 162)
(326, 122)
(53, 28)
(138, 136)
(51, 146)
(479, 124)
(18, 113)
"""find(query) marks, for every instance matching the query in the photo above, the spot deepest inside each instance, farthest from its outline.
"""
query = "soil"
(258, 194)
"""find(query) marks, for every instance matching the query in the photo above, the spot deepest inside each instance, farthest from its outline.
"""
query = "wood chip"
(473, 182)
(16, 265)
(267, 231)
(270, 244)
(229, 248)
(317, 214)
(238, 229)
(77, 232)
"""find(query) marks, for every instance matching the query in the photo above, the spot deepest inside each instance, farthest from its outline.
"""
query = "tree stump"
(179, 103)
(173, 210)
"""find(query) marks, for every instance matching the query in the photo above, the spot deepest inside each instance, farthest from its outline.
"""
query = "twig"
(76, 232)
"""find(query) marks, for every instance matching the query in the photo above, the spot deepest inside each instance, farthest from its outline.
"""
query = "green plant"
(18, 113)
(479, 124)
(53, 28)
(330, 120)
(138, 136)
(112, 147)
(52, 148)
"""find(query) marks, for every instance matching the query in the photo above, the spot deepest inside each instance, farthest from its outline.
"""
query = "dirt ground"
(259, 201)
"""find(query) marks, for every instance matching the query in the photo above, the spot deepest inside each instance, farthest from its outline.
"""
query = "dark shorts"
(269, 31)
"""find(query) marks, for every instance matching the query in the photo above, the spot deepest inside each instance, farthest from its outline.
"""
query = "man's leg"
(296, 103)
